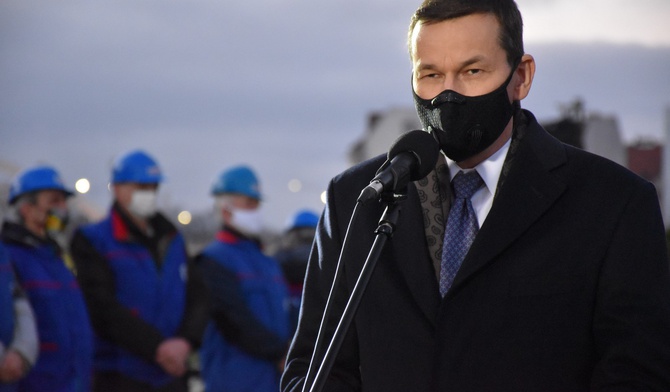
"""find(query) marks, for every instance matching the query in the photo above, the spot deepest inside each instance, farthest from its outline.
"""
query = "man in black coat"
(565, 286)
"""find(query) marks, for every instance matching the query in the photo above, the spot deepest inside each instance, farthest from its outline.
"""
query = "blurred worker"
(38, 209)
(18, 333)
(135, 273)
(246, 341)
(293, 257)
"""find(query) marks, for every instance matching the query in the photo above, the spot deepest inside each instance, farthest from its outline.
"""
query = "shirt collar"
(489, 170)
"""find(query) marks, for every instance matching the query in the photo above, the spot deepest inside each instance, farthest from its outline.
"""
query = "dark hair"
(506, 11)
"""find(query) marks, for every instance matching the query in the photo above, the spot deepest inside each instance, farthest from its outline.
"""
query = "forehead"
(458, 38)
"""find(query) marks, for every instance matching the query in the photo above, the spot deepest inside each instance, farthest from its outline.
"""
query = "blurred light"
(294, 186)
(323, 197)
(82, 185)
(184, 217)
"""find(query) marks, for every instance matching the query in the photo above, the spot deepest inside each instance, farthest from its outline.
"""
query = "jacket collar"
(230, 236)
(227, 237)
(527, 188)
(120, 228)
(125, 230)
(14, 233)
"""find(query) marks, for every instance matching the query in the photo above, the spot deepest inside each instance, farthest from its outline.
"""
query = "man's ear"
(523, 78)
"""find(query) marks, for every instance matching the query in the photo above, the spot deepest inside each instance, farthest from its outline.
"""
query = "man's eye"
(473, 71)
(431, 75)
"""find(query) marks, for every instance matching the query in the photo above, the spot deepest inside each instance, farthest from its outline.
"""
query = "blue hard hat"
(138, 167)
(303, 218)
(36, 179)
(240, 180)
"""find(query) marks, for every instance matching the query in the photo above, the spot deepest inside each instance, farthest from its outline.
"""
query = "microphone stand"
(384, 231)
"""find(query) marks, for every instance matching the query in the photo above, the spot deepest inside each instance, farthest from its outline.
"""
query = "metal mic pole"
(384, 231)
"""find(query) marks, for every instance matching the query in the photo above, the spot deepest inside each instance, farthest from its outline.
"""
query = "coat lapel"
(529, 189)
(408, 247)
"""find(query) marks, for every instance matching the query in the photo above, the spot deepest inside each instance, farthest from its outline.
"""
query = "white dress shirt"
(489, 171)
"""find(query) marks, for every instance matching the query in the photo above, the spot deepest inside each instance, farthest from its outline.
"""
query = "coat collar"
(230, 236)
(16, 234)
(527, 189)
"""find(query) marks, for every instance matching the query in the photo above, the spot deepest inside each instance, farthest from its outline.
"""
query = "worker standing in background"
(293, 255)
(245, 344)
(36, 198)
(141, 292)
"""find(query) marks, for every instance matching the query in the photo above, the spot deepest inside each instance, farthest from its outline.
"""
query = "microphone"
(411, 157)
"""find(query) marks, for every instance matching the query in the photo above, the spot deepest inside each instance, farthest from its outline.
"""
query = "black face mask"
(465, 126)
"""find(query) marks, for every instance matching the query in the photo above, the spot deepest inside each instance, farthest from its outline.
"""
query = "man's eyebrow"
(472, 60)
(426, 66)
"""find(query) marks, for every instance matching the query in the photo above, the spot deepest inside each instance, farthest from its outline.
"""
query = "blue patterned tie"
(462, 227)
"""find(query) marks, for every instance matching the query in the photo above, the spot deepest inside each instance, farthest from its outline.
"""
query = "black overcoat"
(566, 287)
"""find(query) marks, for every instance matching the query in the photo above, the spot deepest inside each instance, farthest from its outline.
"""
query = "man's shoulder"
(560, 157)
(600, 170)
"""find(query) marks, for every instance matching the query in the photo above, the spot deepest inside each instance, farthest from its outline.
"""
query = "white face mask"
(143, 203)
(247, 222)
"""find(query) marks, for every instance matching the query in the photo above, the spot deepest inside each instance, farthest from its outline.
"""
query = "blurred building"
(602, 137)
(645, 158)
(593, 132)
(382, 129)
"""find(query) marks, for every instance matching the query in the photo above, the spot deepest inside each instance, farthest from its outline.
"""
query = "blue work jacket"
(63, 326)
(156, 295)
(259, 284)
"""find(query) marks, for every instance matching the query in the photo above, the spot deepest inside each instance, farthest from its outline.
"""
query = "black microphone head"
(423, 145)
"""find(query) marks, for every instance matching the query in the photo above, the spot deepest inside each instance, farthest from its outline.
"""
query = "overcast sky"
(283, 85)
